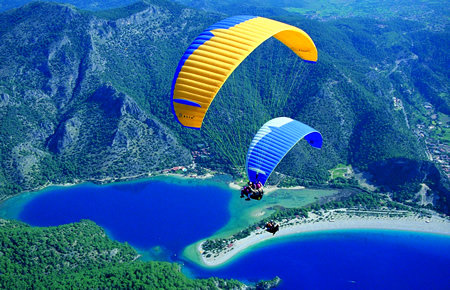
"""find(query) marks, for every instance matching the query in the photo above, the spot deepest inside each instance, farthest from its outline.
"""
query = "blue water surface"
(144, 214)
(162, 217)
(346, 259)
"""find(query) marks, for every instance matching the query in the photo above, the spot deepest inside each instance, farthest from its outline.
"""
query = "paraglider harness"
(257, 195)
(272, 227)
(254, 195)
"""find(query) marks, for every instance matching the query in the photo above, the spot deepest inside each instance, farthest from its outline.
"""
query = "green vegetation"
(82, 4)
(440, 131)
(349, 198)
(341, 171)
(330, 9)
(117, 13)
(433, 12)
(84, 96)
(80, 255)
(104, 89)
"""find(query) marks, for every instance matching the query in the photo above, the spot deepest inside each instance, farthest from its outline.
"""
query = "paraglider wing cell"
(272, 142)
(214, 55)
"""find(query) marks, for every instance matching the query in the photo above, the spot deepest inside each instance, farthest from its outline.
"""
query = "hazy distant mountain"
(85, 95)
(433, 12)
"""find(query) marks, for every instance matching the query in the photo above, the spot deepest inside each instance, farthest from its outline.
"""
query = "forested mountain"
(85, 95)
(433, 12)
(62, 119)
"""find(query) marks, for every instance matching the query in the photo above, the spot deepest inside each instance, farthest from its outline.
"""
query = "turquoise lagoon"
(161, 216)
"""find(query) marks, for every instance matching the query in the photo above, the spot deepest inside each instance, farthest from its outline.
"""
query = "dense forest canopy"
(103, 80)
(80, 255)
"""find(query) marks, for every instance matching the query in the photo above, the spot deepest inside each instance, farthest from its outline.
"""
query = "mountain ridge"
(103, 81)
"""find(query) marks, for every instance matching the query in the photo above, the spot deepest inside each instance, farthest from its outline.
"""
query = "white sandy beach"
(331, 220)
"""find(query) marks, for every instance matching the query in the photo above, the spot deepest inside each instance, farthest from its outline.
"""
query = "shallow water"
(162, 216)
(347, 259)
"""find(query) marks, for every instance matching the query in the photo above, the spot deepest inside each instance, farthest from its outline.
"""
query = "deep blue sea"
(161, 217)
(347, 259)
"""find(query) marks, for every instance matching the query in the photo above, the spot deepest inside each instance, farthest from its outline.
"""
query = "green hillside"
(85, 96)
(81, 256)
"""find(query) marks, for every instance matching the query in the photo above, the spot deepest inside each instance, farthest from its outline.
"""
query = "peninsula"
(213, 253)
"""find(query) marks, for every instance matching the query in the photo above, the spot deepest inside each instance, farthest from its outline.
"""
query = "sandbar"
(339, 219)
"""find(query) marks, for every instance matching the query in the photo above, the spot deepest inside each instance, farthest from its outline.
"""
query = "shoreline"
(142, 177)
(113, 180)
(341, 219)
(338, 219)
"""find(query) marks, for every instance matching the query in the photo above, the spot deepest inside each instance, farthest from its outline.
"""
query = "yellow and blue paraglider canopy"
(217, 51)
(272, 142)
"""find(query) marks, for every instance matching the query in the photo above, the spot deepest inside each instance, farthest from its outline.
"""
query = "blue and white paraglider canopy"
(272, 142)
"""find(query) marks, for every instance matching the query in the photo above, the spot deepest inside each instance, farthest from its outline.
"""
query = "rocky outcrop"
(64, 119)
(66, 135)
(131, 141)
(4, 99)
